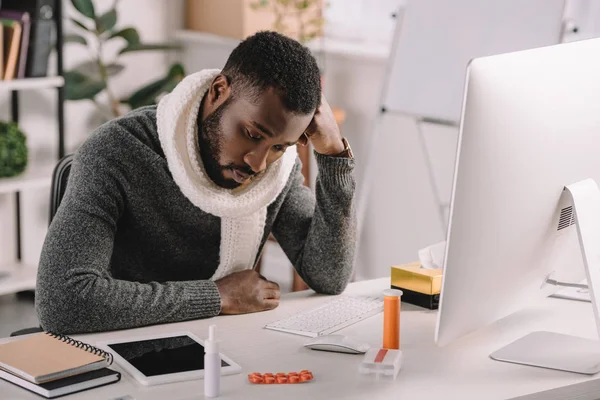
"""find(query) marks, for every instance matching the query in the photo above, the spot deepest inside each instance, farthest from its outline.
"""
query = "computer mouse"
(338, 344)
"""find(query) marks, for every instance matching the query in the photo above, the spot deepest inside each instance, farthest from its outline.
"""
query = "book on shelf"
(42, 30)
(12, 42)
(24, 19)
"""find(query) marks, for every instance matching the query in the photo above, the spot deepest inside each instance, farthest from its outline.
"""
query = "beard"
(210, 141)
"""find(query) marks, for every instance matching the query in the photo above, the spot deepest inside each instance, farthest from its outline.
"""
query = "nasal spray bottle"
(212, 364)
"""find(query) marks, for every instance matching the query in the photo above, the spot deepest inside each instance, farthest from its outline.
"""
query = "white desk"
(460, 371)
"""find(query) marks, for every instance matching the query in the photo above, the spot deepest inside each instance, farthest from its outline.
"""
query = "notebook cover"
(70, 385)
(25, 20)
(40, 358)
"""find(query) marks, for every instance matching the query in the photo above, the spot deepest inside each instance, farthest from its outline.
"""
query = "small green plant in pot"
(299, 19)
(13, 150)
(89, 79)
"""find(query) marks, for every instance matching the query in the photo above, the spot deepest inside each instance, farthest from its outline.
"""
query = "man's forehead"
(268, 115)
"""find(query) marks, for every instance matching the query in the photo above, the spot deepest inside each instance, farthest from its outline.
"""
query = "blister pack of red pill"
(280, 378)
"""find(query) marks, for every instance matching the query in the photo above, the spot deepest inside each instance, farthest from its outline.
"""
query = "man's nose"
(257, 159)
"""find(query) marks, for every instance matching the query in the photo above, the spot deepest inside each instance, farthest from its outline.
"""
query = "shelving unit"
(17, 276)
(32, 83)
(37, 175)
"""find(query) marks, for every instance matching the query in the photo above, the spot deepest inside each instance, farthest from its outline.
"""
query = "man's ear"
(303, 141)
(219, 91)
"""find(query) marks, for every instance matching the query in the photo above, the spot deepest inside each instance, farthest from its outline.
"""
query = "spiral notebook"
(46, 357)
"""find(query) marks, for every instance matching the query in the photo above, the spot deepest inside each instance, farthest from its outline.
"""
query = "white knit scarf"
(243, 212)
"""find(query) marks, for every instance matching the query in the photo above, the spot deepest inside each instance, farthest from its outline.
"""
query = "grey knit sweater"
(127, 248)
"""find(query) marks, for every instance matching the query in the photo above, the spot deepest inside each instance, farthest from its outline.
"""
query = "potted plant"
(13, 150)
(89, 79)
(300, 19)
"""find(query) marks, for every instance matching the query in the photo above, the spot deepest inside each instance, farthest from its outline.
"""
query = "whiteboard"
(436, 39)
(583, 15)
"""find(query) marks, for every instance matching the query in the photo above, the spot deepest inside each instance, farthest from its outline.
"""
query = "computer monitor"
(530, 128)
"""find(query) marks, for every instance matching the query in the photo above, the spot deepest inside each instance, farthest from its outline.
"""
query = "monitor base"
(553, 350)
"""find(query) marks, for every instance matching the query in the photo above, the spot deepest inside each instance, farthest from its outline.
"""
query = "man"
(167, 209)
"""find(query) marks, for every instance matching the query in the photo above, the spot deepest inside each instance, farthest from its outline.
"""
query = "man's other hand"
(247, 291)
(323, 132)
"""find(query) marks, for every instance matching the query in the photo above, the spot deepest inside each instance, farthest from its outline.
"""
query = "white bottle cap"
(393, 293)
(211, 346)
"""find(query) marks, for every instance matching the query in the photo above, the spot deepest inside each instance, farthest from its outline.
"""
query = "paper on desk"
(432, 257)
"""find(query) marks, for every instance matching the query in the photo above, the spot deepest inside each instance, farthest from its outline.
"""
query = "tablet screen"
(163, 356)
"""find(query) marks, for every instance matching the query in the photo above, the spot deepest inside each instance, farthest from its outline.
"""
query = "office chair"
(60, 177)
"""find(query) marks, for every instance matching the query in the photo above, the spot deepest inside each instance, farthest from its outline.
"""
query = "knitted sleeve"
(317, 231)
(76, 291)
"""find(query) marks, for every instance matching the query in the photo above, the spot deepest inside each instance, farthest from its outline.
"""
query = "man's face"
(239, 139)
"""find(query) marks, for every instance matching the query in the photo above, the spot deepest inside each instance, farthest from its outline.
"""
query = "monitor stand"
(565, 352)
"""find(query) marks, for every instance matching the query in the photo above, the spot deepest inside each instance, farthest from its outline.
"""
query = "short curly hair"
(271, 60)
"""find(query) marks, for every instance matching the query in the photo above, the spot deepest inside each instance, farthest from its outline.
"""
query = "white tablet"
(166, 358)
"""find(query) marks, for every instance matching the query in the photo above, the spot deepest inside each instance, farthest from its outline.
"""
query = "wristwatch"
(347, 152)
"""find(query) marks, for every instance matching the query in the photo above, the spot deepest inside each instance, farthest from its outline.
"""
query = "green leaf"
(74, 38)
(257, 5)
(302, 5)
(106, 21)
(80, 87)
(131, 35)
(148, 94)
(148, 47)
(80, 24)
(92, 69)
(170, 85)
(74, 77)
(176, 71)
(114, 69)
(85, 7)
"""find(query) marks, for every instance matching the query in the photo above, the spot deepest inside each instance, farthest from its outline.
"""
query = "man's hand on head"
(323, 131)
(247, 291)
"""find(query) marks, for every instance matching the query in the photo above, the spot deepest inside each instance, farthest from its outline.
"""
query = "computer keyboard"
(330, 317)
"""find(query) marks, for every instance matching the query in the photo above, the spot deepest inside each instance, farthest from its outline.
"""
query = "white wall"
(155, 20)
(401, 217)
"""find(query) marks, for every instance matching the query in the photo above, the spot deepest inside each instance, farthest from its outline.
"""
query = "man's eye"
(251, 136)
(279, 147)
